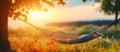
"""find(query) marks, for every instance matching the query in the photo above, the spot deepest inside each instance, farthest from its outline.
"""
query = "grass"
(31, 40)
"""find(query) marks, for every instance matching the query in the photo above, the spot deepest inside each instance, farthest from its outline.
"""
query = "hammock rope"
(67, 39)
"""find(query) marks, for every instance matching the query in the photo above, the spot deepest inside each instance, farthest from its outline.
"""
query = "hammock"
(68, 39)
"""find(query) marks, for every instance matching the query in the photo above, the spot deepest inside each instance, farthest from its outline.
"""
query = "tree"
(111, 7)
(4, 10)
(15, 9)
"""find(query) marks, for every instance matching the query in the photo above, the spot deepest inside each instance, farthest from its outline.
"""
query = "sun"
(41, 17)
(36, 14)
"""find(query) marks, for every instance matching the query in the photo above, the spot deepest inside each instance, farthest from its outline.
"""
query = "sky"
(74, 10)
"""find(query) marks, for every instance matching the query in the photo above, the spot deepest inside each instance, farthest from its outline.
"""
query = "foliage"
(110, 6)
(112, 33)
(22, 7)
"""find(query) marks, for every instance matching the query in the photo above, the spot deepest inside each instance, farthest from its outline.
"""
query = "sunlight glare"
(41, 18)
(36, 14)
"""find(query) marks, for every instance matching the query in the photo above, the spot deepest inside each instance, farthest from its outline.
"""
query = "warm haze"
(74, 12)
(75, 27)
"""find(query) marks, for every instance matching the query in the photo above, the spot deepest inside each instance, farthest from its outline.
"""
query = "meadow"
(31, 40)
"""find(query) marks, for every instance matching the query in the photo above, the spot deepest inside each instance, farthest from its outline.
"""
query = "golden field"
(31, 40)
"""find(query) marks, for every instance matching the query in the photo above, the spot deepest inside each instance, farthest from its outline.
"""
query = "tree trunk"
(116, 18)
(116, 12)
(4, 11)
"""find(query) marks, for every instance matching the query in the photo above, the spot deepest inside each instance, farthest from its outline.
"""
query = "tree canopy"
(22, 7)
(110, 6)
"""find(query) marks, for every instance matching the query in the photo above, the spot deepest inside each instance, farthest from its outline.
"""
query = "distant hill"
(80, 23)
